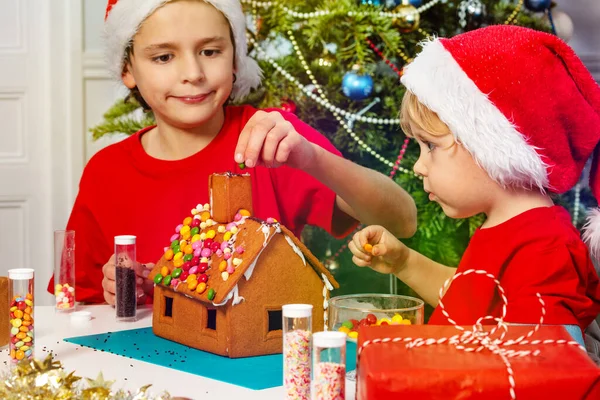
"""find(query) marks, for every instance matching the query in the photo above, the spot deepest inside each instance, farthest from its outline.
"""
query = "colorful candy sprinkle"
(329, 381)
(296, 365)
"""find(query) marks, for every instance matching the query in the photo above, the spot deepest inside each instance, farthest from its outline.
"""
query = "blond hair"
(412, 111)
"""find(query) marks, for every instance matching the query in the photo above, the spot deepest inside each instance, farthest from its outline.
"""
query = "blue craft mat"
(255, 373)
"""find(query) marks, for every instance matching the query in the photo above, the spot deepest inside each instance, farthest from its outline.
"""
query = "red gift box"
(389, 369)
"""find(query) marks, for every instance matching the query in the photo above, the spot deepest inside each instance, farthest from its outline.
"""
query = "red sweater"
(123, 190)
(536, 251)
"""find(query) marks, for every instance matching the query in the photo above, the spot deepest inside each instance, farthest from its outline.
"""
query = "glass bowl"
(346, 313)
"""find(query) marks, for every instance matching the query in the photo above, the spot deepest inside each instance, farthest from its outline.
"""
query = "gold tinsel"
(47, 380)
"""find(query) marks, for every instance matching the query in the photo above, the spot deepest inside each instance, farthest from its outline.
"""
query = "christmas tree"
(336, 64)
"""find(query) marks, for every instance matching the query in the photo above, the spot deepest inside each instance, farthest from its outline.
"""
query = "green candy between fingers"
(158, 278)
(167, 280)
(242, 165)
(211, 294)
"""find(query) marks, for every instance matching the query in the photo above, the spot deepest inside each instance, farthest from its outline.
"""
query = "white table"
(52, 328)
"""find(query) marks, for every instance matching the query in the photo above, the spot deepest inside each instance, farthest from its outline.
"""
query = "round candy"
(368, 248)
(183, 276)
(158, 278)
(187, 221)
(176, 272)
(353, 334)
(164, 271)
(242, 165)
(202, 268)
(244, 213)
(201, 288)
(196, 222)
(169, 255)
(371, 319)
(348, 324)
(174, 237)
(222, 266)
(167, 280)
(188, 257)
(203, 278)
(195, 230)
(175, 243)
(211, 234)
(211, 294)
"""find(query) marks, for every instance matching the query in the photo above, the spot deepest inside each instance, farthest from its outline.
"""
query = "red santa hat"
(124, 17)
(521, 102)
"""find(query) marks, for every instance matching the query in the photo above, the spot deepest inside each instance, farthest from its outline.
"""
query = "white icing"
(326, 288)
(237, 299)
(266, 231)
(295, 248)
(326, 281)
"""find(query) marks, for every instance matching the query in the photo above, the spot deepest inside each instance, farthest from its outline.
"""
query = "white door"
(25, 159)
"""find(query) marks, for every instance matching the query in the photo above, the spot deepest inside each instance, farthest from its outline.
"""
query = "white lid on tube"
(125, 239)
(329, 339)
(297, 310)
(20, 273)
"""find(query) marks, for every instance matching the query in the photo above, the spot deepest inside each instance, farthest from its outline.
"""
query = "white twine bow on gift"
(476, 340)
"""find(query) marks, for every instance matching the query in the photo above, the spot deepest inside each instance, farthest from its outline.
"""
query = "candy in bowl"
(347, 313)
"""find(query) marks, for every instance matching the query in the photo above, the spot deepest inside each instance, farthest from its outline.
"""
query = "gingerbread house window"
(275, 320)
(168, 306)
(211, 318)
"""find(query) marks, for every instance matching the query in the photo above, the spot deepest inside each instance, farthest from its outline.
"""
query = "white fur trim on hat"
(591, 232)
(126, 17)
(494, 142)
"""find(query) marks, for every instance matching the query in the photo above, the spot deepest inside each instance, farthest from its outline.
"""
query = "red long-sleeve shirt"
(536, 251)
(123, 190)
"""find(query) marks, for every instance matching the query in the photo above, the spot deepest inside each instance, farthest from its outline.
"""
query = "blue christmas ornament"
(371, 2)
(538, 5)
(356, 86)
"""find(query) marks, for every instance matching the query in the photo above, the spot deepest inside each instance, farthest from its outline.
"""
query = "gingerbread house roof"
(206, 259)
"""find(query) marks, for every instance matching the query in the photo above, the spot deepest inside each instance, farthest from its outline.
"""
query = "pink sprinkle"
(166, 249)
(219, 253)
(230, 270)
(224, 245)
(206, 252)
(174, 237)
(227, 256)
(174, 282)
(230, 225)
(196, 245)
(197, 252)
(193, 270)
(237, 217)
(178, 228)
(270, 220)
(239, 250)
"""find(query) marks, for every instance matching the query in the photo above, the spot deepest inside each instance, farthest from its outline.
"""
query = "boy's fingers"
(109, 286)
(379, 250)
(108, 270)
(109, 298)
(358, 253)
(359, 262)
(240, 149)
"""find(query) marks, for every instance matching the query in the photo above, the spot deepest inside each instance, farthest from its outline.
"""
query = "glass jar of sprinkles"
(297, 331)
(329, 366)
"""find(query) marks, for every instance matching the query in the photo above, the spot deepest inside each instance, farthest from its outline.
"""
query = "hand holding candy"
(270, 140)
(109, 284)
(378, 249)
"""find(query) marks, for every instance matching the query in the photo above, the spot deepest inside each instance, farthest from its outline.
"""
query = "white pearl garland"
(577, 203)
(322, 100)
(321, 13)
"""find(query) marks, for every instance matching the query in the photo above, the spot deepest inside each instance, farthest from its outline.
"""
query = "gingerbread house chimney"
(228, 194)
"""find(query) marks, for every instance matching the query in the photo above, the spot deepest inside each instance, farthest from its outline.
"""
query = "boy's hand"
(270, 140)
(378, 249)
(109, 284)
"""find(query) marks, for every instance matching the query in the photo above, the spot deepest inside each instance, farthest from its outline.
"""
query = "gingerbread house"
(221, 284)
